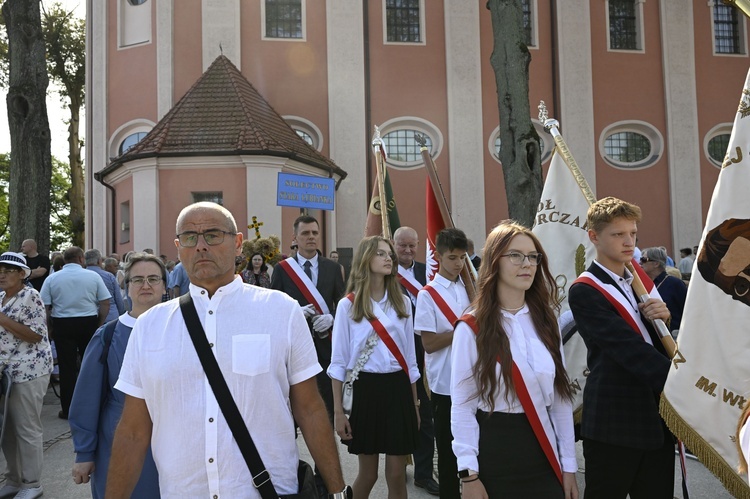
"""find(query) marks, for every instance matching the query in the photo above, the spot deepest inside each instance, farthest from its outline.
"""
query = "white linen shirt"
(524, 344)
(263, 346)
(428, 317)
(349, 337)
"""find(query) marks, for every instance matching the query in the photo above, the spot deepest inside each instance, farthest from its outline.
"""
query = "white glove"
(309, 310)
(322, 323)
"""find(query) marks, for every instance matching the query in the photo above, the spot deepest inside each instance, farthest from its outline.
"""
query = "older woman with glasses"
(672, 289)
(97, 406)
(26, 359)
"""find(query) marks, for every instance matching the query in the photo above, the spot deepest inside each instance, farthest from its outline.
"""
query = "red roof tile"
(222, 114)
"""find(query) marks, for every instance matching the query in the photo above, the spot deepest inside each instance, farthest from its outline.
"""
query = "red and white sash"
(620, 302)
(436, 293)
(385, 337)
(408, 281)
(304, 284)
(530, 396)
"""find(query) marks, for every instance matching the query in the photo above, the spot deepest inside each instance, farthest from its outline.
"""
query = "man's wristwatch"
(344, 494)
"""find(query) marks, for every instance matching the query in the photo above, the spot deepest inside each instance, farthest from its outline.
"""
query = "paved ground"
(58, 460)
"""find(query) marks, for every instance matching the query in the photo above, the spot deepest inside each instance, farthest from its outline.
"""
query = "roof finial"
(221, 50)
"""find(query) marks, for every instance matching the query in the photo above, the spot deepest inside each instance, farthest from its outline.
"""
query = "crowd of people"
(304, 350)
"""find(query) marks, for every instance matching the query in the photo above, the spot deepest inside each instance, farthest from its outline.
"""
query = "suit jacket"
(330, 283)
(627, 375)
(476, 261)
(420, 274)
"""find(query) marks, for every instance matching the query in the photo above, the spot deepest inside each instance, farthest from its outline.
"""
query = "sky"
(56, 113)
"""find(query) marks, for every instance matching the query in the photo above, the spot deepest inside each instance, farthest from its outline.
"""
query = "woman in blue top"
(97, 407)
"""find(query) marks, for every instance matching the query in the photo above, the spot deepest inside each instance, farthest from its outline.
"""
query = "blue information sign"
(304, 191)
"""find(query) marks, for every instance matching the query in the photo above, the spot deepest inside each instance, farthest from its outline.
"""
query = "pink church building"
(199, 99)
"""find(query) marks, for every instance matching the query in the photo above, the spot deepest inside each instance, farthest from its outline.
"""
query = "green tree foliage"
(61, 234)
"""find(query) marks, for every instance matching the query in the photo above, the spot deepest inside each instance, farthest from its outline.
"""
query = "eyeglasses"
(8, 271)
(213, 237)
(645, 260)
(518, 258)
(152, 280)
(385, 254)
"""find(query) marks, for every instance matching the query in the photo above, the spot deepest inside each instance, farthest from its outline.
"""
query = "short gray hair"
(144, 257)
(657, 255)
(110, 261)
(92, 256)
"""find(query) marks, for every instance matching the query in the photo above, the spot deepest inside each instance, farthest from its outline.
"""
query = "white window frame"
(303, 4)
(742, 34)
(720, 129)
(127, 5)
(420, 125)
(307, 126)
(549, 142)
(641, 127)
(422, 27)
(124, 131)
(639, 24)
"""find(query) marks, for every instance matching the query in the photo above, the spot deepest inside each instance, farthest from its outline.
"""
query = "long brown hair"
(492, 340)
(743, 418)
(359, 281)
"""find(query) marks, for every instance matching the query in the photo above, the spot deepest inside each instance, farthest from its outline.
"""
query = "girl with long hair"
(512, 419)
(373, 335)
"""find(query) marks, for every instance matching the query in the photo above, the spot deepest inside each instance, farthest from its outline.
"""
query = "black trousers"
(613, 471)
(72, 336)
(425, 452)
(447, 467)
(323, 348)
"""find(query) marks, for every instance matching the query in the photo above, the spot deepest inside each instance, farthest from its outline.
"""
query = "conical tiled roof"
(224, 114)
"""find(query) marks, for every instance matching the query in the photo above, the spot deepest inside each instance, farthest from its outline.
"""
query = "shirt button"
(203, 292)
(210, 312)
(210, 460)
(211, 345)
(216, 496)
(210, 420)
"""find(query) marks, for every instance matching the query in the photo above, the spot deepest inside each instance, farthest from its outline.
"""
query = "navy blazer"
(627, 375)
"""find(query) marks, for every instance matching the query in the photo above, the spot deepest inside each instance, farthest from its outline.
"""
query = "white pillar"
(681, 109)
(145, 221)
(346, 116)
(576, 86)
(164, 59)
(220, 25)
(261, 178)
(464, 82)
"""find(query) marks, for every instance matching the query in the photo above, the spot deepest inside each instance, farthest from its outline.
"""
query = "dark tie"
(308, 266)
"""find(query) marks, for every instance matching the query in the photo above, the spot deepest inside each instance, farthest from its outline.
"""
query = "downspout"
(368, 103)
(113, 222)
(554, 58)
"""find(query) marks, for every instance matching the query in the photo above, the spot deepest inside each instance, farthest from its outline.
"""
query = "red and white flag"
(435, 224)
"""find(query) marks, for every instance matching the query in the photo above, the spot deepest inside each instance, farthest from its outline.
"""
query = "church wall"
(187, 45)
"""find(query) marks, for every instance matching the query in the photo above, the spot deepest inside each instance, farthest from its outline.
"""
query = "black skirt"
(511, 461)
(383, 418)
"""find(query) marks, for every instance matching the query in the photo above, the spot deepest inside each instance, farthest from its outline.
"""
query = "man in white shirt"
(439, 304)
(261, 342)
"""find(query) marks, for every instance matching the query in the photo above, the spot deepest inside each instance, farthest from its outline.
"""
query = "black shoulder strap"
(261, 477)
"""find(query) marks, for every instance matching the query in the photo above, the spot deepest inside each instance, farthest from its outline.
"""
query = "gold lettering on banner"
(737, 400)
(548, 213)
(575, 386)
(706, 385)
(729, 161)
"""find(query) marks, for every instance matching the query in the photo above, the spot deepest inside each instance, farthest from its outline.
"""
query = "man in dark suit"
(627, 447)
(412, 275)
(326, 277)
(476, 260)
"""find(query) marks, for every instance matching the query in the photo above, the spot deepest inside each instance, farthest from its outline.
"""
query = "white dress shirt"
(524, 344)
(428, 317)
(349, 338)
(313, 266)
(262, 344)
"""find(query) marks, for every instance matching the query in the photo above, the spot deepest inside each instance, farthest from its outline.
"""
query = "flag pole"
(468, 272)
(551, 126)
(377, 148)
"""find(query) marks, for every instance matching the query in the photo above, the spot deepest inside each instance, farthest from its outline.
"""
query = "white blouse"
(349, 337)
(524, 344)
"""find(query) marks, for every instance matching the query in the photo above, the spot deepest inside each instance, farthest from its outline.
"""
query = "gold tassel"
(705, 453)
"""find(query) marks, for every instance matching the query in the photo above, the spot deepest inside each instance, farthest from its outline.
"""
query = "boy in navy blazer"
(627, 447)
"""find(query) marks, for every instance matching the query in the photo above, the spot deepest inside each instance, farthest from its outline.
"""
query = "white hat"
(17, 260)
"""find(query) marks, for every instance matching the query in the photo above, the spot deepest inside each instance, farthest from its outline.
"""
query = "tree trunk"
(31, 159)
(520, 153)
(76, 194)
